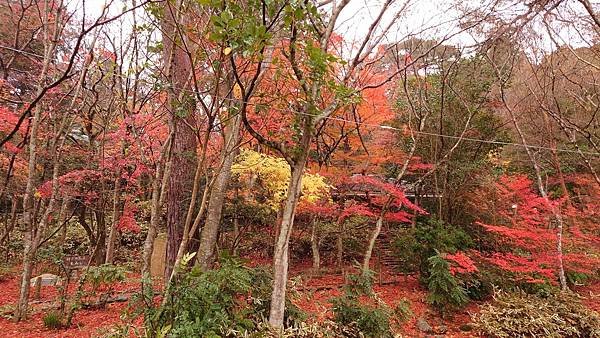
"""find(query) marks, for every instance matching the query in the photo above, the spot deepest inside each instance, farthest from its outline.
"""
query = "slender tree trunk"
(11, 223)
(34, 229)
(236, 235)
(63, 231)
(116, 214)
(28, 217)
(378, 225)
(100, 254)
(372, 240)
(314, 245)
(340, 248)
(208, 238)
(161, 177)
(28, 210)
(556, 213)
(27, 269)
(281, 254)
(32, 240)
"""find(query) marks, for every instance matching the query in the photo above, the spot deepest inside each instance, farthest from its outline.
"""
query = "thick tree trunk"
(281, 254)
(178, 192)
(210, 231)
(181, 105)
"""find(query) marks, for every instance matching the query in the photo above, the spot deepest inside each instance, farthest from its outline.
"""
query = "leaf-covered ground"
(86, 323)
(313, 295)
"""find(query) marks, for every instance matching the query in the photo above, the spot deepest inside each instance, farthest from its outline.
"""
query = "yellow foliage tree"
(274, 175)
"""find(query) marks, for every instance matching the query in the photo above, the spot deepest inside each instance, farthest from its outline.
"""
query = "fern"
(445, 293)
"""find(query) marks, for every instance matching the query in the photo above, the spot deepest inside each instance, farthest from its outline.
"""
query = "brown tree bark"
(281, 252)
(540, 184)
(314, 245)
(100, 253)
(372, 239)
(116, 214)
(210, 231)
(159, 185)
(181, 104)
(11, 223)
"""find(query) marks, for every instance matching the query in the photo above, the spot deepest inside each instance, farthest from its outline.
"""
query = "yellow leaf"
(227, 51)
(274, 174)
(237, 91)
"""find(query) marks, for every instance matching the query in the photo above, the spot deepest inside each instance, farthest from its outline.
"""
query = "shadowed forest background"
(284, 168)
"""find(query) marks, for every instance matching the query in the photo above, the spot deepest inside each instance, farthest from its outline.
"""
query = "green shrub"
(5, 272)
(325, 329)
(353, 235)
(52, 320)
(372, 321)
(445, 293)
(519, 314)
(402, 311)
(7, 310)
(478, 286)
(233, 298)
(348, 310)
(104, 275)
(76, 242)
(414, 247)
(577, 278)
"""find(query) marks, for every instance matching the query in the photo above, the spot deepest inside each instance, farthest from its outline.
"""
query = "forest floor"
(313, 297)
(86, 322)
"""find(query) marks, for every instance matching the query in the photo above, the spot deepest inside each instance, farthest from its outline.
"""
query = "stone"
(423, 325)
(442, 329)
(46, 279)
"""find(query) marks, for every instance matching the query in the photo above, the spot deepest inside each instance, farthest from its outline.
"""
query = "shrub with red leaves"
(524, 236)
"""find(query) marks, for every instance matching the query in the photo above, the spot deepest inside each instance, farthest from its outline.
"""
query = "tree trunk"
(281, 254)
(11, 223)
(314, 245)
(181, 105)
(161, 176)
(556, 213)
(372, 240)
(208, 238)
(100, 254)
(177, 195)
(340, 248)
(28, 218)
(116, 214)
(32, 241)
(21, 311)
(236, 235)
